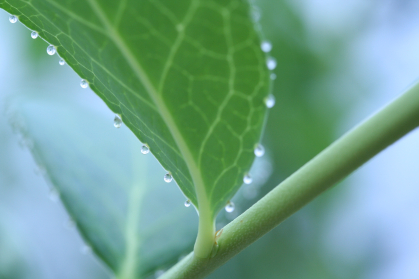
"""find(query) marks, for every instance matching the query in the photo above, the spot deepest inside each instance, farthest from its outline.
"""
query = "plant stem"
(206, 233)
(329, 167)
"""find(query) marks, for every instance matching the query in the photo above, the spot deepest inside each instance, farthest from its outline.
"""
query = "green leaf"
(132, 219)
(187, 76)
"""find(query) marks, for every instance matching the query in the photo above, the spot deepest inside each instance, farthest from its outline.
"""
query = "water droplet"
(85, 249)
(188, 203)
(259, 150)
(51, 50)
(13, 19)
(168, 177)
(273, 76)
(158, 273)
(34, 34)
(61, 62)
(54, 195)
(256, 13)
(145, 149)
(84, 83)
(117, 121)
(230, 207)
(247, 179)
(271, 63)
(266, 46)
(270, 101)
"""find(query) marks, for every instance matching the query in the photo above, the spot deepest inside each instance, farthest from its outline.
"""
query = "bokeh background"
(338, 62)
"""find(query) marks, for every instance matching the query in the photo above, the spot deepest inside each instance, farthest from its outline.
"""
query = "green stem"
(206, 232)
(329, 167)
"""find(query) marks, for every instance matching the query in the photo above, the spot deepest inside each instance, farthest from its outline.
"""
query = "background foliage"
(334, 68)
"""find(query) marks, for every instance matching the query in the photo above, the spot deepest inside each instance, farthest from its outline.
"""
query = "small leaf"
(188, 78)
(131, 219)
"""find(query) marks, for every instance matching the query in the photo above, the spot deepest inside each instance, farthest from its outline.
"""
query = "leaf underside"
(187, 76)
(133, 220)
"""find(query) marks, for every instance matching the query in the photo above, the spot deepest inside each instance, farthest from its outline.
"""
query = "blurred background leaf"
(115, 195)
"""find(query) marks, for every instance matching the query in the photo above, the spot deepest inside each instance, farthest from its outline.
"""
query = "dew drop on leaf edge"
(145, 149)
(168, 177)
(51, 50)
(270, 101)
(230, 207)
(266, 46)
(61, 62)
(259, 150)
(117, 121)
(84, 83)
(13, 19)
(271, 63)
(188, 203)
(34, 35)
(247, 179)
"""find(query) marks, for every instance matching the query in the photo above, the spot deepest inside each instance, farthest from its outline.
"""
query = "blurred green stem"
(326, 169)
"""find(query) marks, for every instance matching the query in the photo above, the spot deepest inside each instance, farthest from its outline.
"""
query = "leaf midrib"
(132, 241)
(155, 95)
